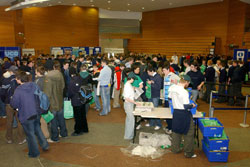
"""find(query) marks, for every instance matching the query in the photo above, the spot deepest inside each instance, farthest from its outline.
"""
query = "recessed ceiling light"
(91, 1)
(128, 10)
(153, 0)
(109, 1)
(142, 8)
(74, 4)
(59, 2)
(170, 3)
(108, 8)
(92, 5)
(128, 4)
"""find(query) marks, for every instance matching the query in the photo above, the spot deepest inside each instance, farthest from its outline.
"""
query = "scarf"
(118, 73)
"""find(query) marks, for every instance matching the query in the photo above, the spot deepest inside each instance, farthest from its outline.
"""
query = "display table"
(163, 113)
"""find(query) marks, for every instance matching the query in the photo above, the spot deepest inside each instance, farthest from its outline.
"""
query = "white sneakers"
(169, 132)
(138, 127)
(22, 142)
(157, 127)
(147, 125)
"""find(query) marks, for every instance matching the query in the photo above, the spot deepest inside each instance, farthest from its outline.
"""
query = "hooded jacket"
(24, 100)
(8, 87)
(87, 78)
(53, 88)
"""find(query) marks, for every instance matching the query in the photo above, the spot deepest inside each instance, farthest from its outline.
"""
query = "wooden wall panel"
(7, 35)
(207, 20)
(247, 40)
(60, 26)
(236, 24)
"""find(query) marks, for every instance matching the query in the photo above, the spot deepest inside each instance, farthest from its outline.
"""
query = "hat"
(187, 78)
(13, 68)
(132, 75)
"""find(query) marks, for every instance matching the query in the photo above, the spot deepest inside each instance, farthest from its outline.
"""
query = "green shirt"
(203, 68)
(136, 83)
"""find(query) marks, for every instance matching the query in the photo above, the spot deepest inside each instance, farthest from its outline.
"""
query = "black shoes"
(77, 134)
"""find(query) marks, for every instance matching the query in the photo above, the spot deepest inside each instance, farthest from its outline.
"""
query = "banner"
(77, 51)
(241, 54)
(30, 51)
(10, 52)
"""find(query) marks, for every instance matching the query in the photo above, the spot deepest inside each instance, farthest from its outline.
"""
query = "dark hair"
(57, 65)
(23, 76)
(196, 64)
(166, 66)
(151, 69)
(135, 66)
(104, 61)
(187, 62)
(83, 67)
(41, 70)
(223, 64)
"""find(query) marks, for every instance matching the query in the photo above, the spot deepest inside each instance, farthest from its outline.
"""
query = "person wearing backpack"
(9, 85)
(26, 103)
(87, 80)
(79, 109)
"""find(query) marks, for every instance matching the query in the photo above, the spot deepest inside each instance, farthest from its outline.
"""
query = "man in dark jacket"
(25, 101)
(53, 88)
(156, 86)
(7, 90)
(222, 81)
(81, 125)
(210, 80)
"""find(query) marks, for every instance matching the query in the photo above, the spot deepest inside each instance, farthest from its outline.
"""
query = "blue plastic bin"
(216, 145)
(215, 156)
(211, 131)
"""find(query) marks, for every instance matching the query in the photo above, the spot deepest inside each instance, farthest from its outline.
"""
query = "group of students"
(61, 78)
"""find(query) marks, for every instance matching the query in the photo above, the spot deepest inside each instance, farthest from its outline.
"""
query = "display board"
(28, 51)
(10, 52)
(75, 50)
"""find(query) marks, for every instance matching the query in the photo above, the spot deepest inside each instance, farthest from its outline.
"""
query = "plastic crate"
(193, 110)
(215, 156)
(211, 131)
(219, 144)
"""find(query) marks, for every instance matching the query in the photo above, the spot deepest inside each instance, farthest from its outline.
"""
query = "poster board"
(10, 52)
(28, 51)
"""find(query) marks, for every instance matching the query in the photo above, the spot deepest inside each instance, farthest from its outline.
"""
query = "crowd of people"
(156, 78)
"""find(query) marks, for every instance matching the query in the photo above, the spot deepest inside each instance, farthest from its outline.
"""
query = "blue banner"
(241, 54)
(10, 52)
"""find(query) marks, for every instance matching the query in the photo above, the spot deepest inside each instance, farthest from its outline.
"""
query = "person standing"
(197, 80)
(96, 74)
(104, 79)
(222, 81)
(28, 113)
(129, 97)
(117, 87)
(156, 86)
(81, 125)
(183, 124)
(53, 88)
(9, 85)
(210, 80)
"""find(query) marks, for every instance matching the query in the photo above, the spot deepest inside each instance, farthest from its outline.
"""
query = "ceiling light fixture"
(92, 5)
(91, 1)
(170, 3)
(153, 0)
(128, 10)
(74, 4)
(108, 8)
(142, 8)
(128, 4)
(109, 1)
(25, 3)
(59, 2)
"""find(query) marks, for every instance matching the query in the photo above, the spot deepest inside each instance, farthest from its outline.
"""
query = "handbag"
(68, 110)
(48, 117)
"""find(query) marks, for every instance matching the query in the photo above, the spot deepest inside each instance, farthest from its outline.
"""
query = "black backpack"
(85, 94)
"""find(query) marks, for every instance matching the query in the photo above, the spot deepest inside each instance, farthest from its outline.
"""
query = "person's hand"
(194, 105)
(149, 82)
(146, 87)
(141, 86)
(137, 104)
(199, 87)
(152, 82)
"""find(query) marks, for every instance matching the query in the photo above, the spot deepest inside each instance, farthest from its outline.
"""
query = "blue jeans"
(105, 95)
(155, 122)
(195, 94)
(130, 120)
(97, 101)
(169, 121)
(58, 121)
(33, 132)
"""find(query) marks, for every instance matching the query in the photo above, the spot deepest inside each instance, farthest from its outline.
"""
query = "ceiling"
(121, 5)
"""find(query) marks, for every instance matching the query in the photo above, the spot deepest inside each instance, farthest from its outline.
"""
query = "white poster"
(56, 51)
(28, 51)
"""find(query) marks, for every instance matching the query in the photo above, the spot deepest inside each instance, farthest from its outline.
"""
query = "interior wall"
(60, 26)
(7, 35)
(236, 24)
(111, 43)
